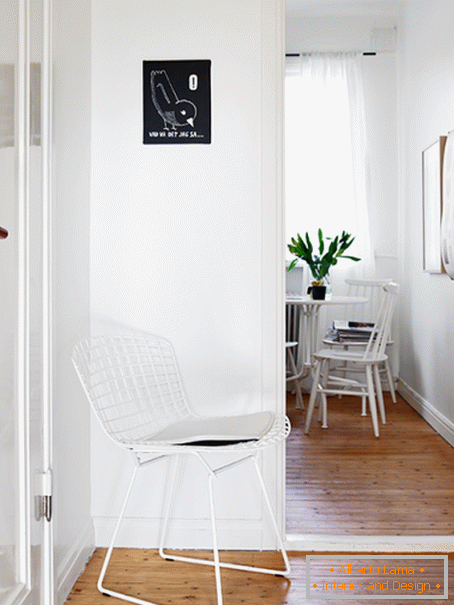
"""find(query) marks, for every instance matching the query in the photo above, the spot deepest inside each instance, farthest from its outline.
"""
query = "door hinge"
(43, 497)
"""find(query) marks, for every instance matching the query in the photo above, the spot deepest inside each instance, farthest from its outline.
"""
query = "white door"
(25, 534)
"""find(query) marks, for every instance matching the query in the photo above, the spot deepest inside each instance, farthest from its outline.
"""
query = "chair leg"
(390, 380)
(101, 588)
(313, 396)
(217, 567)
(218, 564)
(168, 508)
(372, 403)
(324, 400)
(299, 395)
(343, 368)
(363, 405)
(381, 403)
(273, 520)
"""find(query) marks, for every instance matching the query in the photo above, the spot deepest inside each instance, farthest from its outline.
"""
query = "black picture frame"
(177, 102)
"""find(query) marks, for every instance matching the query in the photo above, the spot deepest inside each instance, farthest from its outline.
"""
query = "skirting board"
(431, 415)
(378, 544)
(74, 563)
(185, 534)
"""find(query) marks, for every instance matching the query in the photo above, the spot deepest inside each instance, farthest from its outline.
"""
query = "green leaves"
(320, 264)
(321, 243)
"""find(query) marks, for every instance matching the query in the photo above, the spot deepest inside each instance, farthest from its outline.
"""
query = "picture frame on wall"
(176, 102)
(447, 221)
(432, 186)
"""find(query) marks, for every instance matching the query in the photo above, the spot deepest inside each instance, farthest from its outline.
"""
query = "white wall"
(183, 239)
(73, 529)
(380, 80)
(314, 29)
(427, 112)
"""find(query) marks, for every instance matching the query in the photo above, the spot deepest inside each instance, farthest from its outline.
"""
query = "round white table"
(309, 313)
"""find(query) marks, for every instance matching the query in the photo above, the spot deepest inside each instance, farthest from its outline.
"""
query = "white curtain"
(325, 156)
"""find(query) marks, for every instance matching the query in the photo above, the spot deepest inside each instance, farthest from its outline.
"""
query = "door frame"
(35, 558)
(322, 542)
(48, 588)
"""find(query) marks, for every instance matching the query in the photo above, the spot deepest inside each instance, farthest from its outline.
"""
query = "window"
(325, 153)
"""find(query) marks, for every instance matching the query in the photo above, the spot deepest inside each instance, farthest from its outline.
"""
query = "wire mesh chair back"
(380, 334)
(133, 385)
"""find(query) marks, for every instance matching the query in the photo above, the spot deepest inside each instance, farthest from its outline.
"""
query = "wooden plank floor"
(143, 574)
(342, 480)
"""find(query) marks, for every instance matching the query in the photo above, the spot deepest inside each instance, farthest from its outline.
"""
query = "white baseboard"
(378, 544)
(431, 415)
(74, 563)
(184, 534)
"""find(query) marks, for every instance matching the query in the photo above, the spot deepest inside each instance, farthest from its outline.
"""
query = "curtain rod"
(365, 53)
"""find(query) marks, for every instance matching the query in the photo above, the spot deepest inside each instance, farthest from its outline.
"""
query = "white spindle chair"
(366, 361)
(372, 289)
(134, 387)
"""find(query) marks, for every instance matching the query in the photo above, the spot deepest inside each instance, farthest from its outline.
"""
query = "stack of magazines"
(350, 331)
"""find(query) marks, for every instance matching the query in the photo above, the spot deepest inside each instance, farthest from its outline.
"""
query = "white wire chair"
(134, 387)
(368, 361)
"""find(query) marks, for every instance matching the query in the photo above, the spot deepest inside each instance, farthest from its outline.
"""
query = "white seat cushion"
(217, 428)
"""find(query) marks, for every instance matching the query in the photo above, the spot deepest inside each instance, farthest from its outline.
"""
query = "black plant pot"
(317, 292)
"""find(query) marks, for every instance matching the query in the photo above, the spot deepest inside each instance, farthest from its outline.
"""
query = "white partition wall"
(73, 529)
(426, 377)
(184, 239)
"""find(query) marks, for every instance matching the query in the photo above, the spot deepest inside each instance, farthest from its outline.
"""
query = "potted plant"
(321, 263)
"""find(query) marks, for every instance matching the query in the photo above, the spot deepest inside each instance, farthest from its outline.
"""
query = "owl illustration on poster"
(176, 102)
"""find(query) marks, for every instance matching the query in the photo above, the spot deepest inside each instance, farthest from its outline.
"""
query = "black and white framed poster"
(176, 102)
